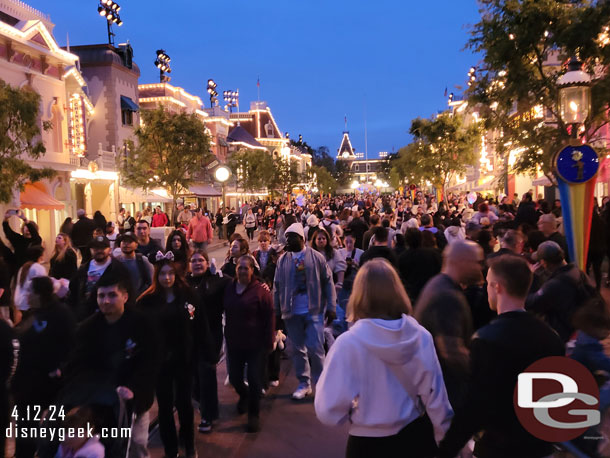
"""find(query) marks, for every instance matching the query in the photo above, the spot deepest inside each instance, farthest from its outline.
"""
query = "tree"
(322, 158)
(342, 173)
(20, 139)
(324, 180)
(253, 169)
(442, 148)
(523, 43)
(285, 176)
(171, 148)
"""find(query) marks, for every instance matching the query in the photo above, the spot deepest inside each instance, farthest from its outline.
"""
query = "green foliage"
(19, 140)
(523, 43)
(171, 148)
(253, 169)
(285, 176)
(324, 180)
(442, 148)
(342, 173)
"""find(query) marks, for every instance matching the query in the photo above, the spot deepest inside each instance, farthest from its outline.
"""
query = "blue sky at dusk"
(318, 60)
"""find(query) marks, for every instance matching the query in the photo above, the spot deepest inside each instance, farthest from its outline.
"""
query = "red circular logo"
(557, 399)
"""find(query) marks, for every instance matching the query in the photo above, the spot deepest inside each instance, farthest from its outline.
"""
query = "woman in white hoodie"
(383, 375)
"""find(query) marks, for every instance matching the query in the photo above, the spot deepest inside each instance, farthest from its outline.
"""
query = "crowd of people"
(409, 319)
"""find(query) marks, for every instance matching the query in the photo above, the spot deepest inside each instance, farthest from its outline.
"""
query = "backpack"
(144, 273)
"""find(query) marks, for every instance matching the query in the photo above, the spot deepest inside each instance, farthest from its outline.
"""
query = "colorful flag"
(258, 82)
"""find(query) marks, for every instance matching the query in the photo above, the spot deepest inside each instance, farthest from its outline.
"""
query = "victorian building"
(365, 174)
(31, 59)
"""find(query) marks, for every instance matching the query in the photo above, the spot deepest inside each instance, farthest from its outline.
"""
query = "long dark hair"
(328, 249)
(180, 284)
(184, 247)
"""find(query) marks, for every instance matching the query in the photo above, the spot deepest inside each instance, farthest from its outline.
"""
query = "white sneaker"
(301, 392)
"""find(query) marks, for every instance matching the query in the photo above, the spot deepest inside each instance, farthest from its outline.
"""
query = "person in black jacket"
(9, 355)
(63, 261)
(82, 234)
(172, 305)
(46, 338)
(115, 354)
(526, 213)
(500, 351)
(417, 265)
(21, 242)
(82, 294)
(379, 248)
(210, 287)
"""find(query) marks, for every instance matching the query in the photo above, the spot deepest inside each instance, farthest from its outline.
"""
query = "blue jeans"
(306, 333)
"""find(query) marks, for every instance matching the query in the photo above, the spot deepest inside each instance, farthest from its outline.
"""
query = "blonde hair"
(378, 293)
(60, 253)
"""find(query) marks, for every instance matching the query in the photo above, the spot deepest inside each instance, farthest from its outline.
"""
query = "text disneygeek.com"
(61, 434)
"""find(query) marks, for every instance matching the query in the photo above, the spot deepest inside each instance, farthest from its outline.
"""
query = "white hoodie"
(357, 383)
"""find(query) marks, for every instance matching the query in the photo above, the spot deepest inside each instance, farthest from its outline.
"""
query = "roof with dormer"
(241, 137)
(346, 147)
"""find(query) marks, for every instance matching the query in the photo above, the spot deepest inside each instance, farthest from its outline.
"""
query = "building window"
(368, 167)
(127, 117)
(269, 129)
(356, 168)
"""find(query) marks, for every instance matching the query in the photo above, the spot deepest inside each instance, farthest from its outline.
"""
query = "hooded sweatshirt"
(359, 382)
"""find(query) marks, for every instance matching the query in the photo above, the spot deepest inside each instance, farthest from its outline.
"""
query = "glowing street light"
(232, 99)
(162, 63)
(109, 10)
(574, 95)
(212, 91)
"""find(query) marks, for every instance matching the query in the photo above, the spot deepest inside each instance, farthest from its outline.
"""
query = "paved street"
(288, 428)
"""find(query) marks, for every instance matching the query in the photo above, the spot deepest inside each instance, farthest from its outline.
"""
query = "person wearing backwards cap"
(304, 294)
(564, 291)
(82, 296)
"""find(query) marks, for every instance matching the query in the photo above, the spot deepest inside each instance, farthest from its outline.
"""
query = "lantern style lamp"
(574, 95)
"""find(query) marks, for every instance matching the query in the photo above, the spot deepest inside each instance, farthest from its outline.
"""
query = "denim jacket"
(321, 293)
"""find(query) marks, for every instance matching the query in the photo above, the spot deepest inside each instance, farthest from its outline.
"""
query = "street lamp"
(110, 10)
(162, 63)
(232, 99)
(212, 91)
(222, 174)
(574, 95)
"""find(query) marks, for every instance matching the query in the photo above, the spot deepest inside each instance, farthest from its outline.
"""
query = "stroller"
(99, 407)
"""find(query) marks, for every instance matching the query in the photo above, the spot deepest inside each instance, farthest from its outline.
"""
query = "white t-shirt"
(94, 273)
(22, 292)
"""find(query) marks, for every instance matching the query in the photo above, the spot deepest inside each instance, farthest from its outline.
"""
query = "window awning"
(203, 190)
(34, 198)
(128, 105)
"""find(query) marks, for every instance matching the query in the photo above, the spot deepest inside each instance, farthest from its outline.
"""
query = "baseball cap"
(549, 251)
(99, 242)
(296, 228)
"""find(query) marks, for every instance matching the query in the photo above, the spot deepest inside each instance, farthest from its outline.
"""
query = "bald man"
(443, 310)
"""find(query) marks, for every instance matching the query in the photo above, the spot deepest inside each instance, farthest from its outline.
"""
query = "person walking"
(199, 230)
(210, 287)
(250, 224)
(304, 294)
(383, 375)
(172, 306)
(249, 333)
(442, 308)
(159, 219)
(500, 351)
(20, 242)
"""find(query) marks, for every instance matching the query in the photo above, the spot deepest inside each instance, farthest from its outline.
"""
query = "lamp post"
(162, 63)
(576, 165)
(110, 10)
(222, 174)
(212, 91)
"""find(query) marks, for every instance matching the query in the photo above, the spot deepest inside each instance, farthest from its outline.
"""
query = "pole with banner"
(576, 168)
